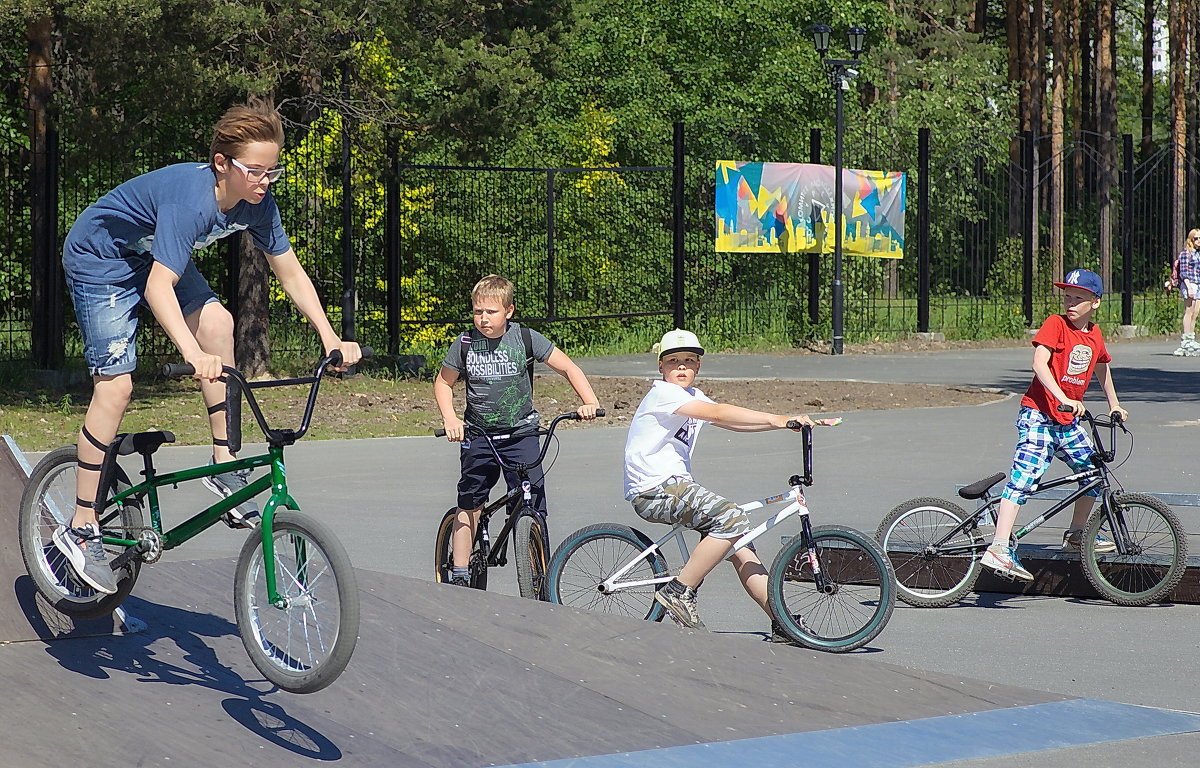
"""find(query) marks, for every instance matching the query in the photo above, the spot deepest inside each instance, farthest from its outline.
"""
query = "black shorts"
(480, 472)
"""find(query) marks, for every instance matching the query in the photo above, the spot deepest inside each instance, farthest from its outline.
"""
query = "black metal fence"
(608, 257)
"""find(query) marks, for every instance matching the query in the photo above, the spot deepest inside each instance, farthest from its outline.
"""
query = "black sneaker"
(246, 514)
(779, 636)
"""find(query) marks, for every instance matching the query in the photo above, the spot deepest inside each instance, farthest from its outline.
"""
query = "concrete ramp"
(445, 676)
(25, 614)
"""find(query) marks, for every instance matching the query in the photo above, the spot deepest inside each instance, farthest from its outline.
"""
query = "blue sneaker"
(1004, 561)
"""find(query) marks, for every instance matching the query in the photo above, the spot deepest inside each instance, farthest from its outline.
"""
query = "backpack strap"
(527, 340)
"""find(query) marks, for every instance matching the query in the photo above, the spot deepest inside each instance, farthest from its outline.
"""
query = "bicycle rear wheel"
(305, 643)
(443, 554)
(1151, 554)
(47, 502)
(927, 576)
(590, 555)
(529, 552)
(848, 605)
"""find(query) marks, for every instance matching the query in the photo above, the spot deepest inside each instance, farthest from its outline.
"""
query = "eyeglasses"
(258, 174)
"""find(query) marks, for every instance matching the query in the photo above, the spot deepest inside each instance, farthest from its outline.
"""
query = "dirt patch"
(621, 395)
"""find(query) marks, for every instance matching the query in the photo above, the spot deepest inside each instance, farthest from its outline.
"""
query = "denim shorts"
(108, 316)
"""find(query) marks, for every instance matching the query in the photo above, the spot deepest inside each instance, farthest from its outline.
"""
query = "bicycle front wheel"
(47, 502)
(1151, 554)
(529, 551)
(443, 554)
(591, 555)
(305, 641)
(845, 606)
(931, 572)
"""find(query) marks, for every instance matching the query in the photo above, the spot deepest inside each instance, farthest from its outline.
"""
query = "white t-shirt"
(660, 441)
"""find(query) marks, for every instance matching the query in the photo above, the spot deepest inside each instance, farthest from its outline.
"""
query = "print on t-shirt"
(687, 432)
(1081, 358)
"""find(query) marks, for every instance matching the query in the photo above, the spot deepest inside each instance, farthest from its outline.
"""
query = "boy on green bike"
(134, 247)
(658, 475)
(496, 360)
(1067, 350)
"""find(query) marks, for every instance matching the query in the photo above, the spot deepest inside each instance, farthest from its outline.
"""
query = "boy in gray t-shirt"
(496, 357)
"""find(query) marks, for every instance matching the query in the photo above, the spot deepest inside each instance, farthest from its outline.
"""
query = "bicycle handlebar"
(470, 430)
(1113, 422)
(236, 383)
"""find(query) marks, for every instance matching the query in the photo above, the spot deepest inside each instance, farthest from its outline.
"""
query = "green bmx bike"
(295, 594)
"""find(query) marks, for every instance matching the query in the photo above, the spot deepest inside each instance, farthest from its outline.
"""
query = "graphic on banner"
(788, 208)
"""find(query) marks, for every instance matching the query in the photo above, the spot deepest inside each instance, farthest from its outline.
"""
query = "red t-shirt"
(1074, 355)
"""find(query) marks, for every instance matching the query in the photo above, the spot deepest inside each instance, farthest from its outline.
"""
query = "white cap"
(679, 341)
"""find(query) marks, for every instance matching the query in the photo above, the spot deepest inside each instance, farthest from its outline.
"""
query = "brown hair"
(494, 287)
(256, 120)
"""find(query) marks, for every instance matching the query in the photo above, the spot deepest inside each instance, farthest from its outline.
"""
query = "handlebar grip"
(178, 370)
(367, 352)
(439, 433)
(794, 425)
(1116, 417)
(1064, 408)
(576, 416)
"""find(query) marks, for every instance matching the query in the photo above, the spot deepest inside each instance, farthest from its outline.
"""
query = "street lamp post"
(841, 72)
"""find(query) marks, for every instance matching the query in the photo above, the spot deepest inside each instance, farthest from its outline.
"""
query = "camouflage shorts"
(683, 501)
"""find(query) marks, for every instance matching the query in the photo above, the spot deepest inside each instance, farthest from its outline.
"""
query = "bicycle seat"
(144, 443)
(979, 488)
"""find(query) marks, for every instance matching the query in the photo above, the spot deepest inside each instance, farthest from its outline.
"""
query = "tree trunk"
(1147, 142)
(46, 280)
(252, 346)
(1106, 110)
(1014, 13)
(1057, 127)
(1035, 85)
(1177, 27)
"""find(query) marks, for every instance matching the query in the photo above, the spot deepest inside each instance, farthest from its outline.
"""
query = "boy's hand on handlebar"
(1119, 414)
(587, 411)
(1076, 407)
(801, 419)
(351, 353)
(208, 367)
(455, 429)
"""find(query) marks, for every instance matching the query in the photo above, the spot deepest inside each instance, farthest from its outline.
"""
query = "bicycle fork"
(824, 584)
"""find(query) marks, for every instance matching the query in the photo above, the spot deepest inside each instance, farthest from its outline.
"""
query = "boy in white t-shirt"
(658, 475)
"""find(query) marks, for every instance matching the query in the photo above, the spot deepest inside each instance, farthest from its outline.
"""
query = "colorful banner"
(788, 208)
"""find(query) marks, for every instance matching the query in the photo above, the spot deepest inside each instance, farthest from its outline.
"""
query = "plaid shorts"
(680, 500)
(1039, 439)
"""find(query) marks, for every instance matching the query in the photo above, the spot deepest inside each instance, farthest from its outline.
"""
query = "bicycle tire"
(48, 500)
(443, 558)
(924, 577)
(1158, 559)
(529, 552)
(862, 594)
(306, 645)
(589, 556)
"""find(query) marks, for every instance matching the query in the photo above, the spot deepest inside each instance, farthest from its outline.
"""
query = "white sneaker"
(85, 552)
(1004, 561)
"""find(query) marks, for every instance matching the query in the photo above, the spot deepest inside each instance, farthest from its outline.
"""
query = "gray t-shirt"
(499, 393)
(166, 213)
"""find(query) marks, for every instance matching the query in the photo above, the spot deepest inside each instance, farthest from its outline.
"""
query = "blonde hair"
(494, 287)
(244, 124)
(1189, 241)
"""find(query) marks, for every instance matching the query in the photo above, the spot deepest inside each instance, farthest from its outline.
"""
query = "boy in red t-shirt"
(1067, 350)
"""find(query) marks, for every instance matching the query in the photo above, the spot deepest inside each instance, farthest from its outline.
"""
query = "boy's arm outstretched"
(566, 367)
(738, 419)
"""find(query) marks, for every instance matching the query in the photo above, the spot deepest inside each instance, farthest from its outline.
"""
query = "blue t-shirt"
(167, 214)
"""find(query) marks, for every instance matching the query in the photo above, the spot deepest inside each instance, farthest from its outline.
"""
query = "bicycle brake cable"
(554, 458)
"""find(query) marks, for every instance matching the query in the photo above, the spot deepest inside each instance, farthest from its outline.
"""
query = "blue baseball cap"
(1085, 279)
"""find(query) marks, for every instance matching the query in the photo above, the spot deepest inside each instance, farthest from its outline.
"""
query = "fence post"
(923, 255)
(814, 258)
(550, 306)
(392, 246)
(1028, 210)
(1127, 230)
(678, 228)
(348, 276)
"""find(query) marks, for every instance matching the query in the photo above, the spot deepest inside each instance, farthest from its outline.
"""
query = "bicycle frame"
(797, 506)
(276, 480)
(495, 554)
